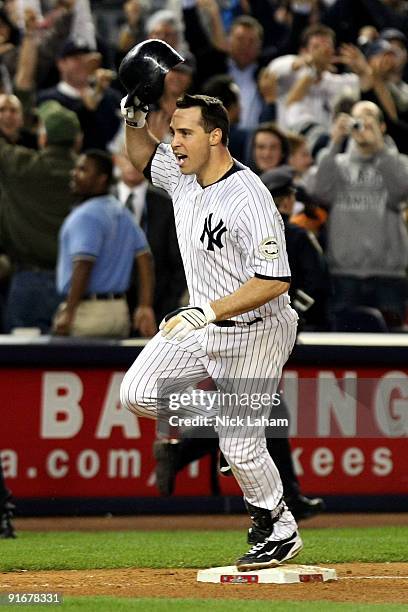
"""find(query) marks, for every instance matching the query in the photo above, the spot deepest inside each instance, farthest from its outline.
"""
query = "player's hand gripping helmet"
(143, 69)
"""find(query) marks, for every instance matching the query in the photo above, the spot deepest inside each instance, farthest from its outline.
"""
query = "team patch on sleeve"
(269, 248)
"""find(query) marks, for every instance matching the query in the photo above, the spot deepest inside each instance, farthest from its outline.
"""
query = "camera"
(357, 124)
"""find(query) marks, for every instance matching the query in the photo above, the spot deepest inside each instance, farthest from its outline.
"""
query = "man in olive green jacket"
(35, 199)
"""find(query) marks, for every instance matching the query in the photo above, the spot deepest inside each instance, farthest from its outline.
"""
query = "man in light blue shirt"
(98, 245)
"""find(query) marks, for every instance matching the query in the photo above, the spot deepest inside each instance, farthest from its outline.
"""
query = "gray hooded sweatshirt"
(367, 235)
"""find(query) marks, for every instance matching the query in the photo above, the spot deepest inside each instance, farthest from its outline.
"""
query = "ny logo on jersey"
(214, 235)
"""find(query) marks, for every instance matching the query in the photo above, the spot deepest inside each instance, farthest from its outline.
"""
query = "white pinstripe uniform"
(228, 233)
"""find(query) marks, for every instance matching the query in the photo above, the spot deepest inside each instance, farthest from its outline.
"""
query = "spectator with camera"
(367, 242)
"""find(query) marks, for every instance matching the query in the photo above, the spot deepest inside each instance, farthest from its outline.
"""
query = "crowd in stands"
(317, 97)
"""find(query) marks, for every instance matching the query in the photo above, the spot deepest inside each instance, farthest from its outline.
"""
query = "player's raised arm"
(140, 142)
(142, 72)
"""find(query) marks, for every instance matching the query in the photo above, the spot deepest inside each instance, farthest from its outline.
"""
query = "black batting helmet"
(144, 67)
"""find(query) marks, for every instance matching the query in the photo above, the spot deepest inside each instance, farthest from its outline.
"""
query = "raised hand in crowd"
(27, 59)
(31, 21)
(129, 34)
(218, 36)
(133, 11)
(341, 128)
(93, 61)
(353, 58)
(101, 81)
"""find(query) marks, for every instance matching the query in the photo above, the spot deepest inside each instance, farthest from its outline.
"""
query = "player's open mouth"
(180, 159)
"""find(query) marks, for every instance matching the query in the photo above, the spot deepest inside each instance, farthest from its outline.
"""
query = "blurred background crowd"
(317, 96)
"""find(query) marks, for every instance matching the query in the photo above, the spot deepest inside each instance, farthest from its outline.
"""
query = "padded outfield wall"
(69, 448)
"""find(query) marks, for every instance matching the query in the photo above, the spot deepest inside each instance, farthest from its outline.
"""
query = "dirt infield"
(357, 582)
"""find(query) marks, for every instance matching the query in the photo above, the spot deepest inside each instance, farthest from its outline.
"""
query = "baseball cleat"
(270, 553)
(166, 454)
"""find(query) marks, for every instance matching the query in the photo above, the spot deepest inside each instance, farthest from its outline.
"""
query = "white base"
(283, 574)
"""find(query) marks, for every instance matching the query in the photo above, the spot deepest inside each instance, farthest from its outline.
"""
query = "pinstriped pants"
(236, 358)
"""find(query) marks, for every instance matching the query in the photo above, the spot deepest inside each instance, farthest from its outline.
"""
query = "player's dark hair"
(214, 114)
(103, 162)
(272, 128)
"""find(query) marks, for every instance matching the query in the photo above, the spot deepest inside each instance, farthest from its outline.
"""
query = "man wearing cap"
(387, 59)
(35, 200)
(85, 89)
(398, 42)
(398, 77)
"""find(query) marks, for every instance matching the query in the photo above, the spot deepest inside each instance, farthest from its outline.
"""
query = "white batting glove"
(179, 323)
(135, 115)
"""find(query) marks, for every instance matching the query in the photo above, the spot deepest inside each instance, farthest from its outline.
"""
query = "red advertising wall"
(64, 434)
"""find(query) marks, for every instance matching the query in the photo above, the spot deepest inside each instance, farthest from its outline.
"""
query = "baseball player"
(239, 328)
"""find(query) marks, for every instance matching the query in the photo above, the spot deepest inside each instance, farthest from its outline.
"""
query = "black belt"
(104, 296)
(229, 323)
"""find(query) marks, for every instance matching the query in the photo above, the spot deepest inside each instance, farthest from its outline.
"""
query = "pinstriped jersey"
(228, 232)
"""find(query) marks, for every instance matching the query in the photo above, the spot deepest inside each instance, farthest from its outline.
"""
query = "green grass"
(95, 604)
(194, 549)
